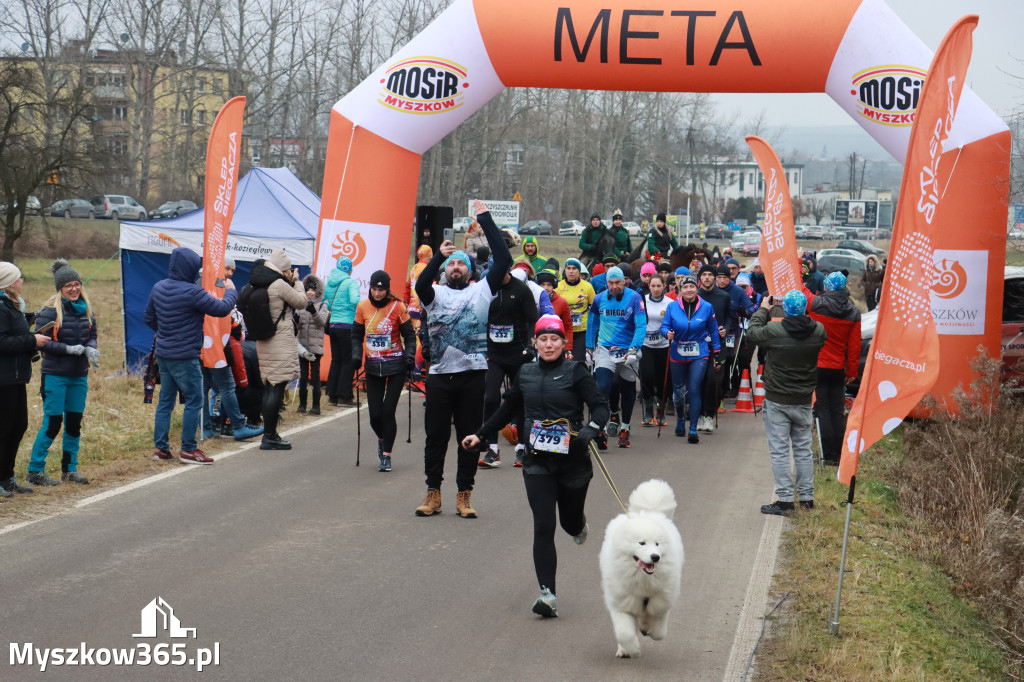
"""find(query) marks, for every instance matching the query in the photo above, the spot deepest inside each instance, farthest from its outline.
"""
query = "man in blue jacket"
(615, 335)
(341, 293)
(175, 310)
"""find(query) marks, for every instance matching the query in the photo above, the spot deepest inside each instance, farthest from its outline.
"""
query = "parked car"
(814, 232)
(862, 246)
(717, 231)
(462, 223)
(572, 228)
(801, 231)
(832, 233)
(173, 209)
(32, 206)
(751, 244)
(1015, 234)
(633, 228)
(740, 239)
(1012, 343)
(537, 227)
(841, 252)
(117, 207)
(72, 208)
(854, 266)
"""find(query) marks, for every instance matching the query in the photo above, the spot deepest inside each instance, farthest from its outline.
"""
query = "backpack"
(254, 304)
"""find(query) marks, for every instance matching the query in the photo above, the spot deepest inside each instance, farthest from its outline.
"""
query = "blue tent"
(273, 210)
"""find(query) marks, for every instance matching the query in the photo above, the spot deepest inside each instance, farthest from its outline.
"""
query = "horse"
(605, 246)
(680, 258)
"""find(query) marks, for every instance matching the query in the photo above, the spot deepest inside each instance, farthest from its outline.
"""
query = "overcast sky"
(998, 56)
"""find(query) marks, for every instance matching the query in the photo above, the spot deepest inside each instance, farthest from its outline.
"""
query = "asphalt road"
(300, 565)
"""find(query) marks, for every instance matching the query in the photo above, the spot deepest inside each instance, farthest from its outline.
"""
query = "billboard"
(504, 213)
(857, 213)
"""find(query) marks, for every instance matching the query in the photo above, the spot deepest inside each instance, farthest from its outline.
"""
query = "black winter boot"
(302, 402)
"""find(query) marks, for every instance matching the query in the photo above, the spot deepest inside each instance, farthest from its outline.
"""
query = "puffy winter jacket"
(279, 355)
(309, 327)
(177, 305)
(17, 345)
(699, 328)
(75, 330)
(342, 296)
(841, 320)
(511, 317)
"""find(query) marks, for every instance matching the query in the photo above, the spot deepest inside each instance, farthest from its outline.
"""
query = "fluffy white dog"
(641, 565)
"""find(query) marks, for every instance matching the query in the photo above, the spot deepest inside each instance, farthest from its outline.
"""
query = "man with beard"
(457, 328)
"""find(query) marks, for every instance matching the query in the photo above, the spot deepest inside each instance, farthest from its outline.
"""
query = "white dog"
(641, 565)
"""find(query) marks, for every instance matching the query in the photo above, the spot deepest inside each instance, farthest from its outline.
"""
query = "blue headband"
(459, 255)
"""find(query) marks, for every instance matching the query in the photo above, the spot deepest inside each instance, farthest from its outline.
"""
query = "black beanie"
(482, 254)
(723, 269)
(380, 279)
(661, 217)
(707, 268)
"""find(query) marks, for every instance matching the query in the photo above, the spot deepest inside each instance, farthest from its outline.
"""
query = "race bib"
(378, 342)
(577, 319)
(550, 438)
(730, 340)
(501, 333)
(654, 337)
(618, 354)
(688, 349)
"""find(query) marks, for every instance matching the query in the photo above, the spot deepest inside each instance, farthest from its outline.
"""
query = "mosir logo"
(423, 85)
(349, 244)
(959, 290)
(889, 94)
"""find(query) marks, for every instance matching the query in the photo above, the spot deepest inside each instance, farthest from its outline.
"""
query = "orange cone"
(744, 401)
(759, 388)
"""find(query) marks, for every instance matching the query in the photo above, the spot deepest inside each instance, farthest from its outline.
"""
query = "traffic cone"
(759, 389)
(744, 401)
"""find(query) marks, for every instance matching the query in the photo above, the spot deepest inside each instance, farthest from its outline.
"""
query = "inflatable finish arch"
(856, 51)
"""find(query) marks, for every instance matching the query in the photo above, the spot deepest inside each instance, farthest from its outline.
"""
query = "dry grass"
(117, 431)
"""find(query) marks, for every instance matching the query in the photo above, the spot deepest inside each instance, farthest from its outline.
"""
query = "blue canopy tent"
(273, 210)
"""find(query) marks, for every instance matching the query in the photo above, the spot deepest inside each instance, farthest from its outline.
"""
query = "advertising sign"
(857, 213)
(505, 213)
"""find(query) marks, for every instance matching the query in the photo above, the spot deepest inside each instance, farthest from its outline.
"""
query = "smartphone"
(449, 234)
(45, 328)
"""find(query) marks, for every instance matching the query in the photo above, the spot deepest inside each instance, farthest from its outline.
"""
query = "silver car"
(118, 207)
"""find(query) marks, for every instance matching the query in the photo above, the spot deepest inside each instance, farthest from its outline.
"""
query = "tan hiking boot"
(431, 503)
(462, 505)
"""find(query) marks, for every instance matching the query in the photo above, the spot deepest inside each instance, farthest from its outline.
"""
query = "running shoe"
(624, 438)
(545, 605)
(491, 460)
(613, 425)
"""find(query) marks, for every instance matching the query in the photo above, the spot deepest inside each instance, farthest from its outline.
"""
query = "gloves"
(93, 355)
(310, 308)
(357, 361)
(589, 359)
(308, 356)
(586, 434)
(77, 349)
(410, 362)
(529, 355)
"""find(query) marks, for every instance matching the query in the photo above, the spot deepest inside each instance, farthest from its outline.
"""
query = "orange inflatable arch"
(857, 51)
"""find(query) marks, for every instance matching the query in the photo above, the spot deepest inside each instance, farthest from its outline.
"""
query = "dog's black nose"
(655, 558)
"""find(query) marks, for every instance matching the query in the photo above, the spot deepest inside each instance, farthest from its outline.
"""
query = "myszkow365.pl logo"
(157, 619)
(889, 94)
(424, 85)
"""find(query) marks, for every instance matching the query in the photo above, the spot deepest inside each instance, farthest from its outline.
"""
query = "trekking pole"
(821, 451)
(408, 388)
(359, 431)
(664, 388)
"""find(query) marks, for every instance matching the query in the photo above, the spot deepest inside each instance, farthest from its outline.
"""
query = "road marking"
(755, 603)
(142, 482)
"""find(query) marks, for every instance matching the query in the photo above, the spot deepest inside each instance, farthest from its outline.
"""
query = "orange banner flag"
(778, 257)
(903, 361)
(222, 154)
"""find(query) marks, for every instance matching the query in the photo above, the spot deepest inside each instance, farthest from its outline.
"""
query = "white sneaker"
(705, 424)
(546, 606)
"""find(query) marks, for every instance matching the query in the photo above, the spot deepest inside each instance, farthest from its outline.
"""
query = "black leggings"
(382, 394)
(545, 492)
(14, 405)
(339, 376)
(496, 373)
(273, 399)
(654, 383)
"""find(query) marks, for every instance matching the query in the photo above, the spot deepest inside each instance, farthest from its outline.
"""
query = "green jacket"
(654, 238)
(792, 345)
(590, 237)
(622, 244)
(537, 262)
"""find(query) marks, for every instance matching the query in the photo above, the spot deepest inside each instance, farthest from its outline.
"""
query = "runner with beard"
(579, 294)
(457, 328)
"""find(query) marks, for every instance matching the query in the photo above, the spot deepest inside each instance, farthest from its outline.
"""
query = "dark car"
(717, 231)
(853, 266)
(72, 208)
(536, 227)
(173, 209)
(864, 247)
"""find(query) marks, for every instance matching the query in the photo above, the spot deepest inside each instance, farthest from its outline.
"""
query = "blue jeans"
(687, 379)
(185, 376)
(222, 379)
(785, 424)
(63, 403)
